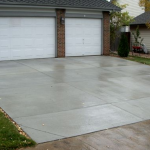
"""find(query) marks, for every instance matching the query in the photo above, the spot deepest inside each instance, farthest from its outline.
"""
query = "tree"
(118, 19)
(123, 50)
(145, 4)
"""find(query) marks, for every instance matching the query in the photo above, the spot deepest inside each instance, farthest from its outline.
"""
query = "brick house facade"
(61, 33)
(36, 31)
(106, 33)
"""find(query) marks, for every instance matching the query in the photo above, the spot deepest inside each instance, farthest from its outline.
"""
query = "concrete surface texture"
(58, 98)
(129, 137)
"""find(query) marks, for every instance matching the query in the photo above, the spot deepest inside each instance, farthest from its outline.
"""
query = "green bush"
(123, 50)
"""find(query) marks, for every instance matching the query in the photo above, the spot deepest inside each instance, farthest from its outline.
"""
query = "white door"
(83, 37)
(27, 37)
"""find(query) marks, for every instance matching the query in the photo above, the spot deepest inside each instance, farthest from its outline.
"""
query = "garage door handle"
(83, 41)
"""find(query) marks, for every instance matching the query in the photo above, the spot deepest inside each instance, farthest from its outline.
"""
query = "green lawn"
(139, 59)
(10, 139)
(135, 58)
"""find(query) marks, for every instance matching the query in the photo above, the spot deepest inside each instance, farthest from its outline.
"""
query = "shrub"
(123, 50)
(137, 37)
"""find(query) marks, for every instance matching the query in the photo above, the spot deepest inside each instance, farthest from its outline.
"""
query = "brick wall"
(106, 33)
(60, 34)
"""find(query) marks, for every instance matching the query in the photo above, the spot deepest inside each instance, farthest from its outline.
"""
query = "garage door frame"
(24, 13)
(88, 16)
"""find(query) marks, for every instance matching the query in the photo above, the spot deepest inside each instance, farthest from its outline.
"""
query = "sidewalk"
(130, 137)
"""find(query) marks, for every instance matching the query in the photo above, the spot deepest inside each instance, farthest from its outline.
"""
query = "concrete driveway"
(57, 98)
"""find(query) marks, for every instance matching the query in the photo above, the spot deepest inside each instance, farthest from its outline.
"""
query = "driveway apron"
(58, 98)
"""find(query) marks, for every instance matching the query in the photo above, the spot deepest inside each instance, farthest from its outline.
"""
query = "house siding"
(133, 7)
(144, 32)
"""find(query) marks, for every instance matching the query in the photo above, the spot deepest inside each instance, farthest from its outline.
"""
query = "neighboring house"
(36, 28)
(133, 7)
(140, 21)
(134, 10)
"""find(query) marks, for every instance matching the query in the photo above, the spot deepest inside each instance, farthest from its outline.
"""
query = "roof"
(92, 4)
(141, 19)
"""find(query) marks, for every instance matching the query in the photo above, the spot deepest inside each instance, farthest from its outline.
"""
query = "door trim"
(75, 15)
(26, 14)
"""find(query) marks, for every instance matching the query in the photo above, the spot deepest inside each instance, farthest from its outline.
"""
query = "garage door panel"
(43, 52)
(96, 31)
(38, 32)
(43, 32)
(49, 43)
(87, 41)
(4, 44)
(50, 22)
(78, 25)
(89, 50)
(27, 32)
(16, 43)
(39, 52)
(40, 23)
(87, 32)
(69, 31)
(96, 41)
(72, 32)
(78, 41)
(4, 22)
(69, 24)
(83, 37)
(44, 43)
(38, 43)
(5, 54)
(77, 31)
(45, 23)
(4, 33)
(27, 22)
(27, 37)
(80, 22)
(79, 50)
(15, 22)
(95, 23)
(76, 50)
(71, 42)
(16, 53)
(48, 32)
(16, 32)
(28, 53)
(48, 53)
(95, 48)
(96, 26)
(27, 43)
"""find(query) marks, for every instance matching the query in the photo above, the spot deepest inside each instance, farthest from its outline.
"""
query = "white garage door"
(83, 37)
(27, 37)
